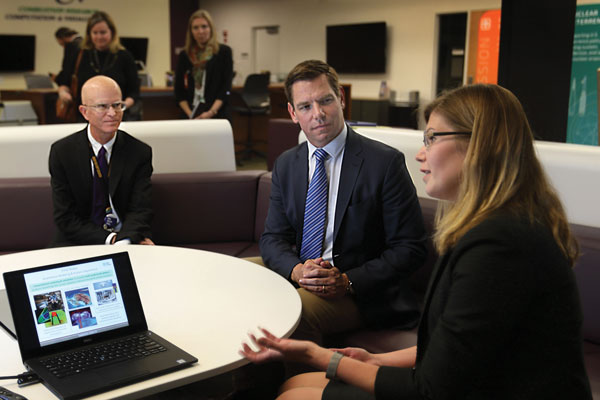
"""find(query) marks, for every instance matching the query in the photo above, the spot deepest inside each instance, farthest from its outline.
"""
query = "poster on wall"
(582, 126)
(484, 46)
(488, 47)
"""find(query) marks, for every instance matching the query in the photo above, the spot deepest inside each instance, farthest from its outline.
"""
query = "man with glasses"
(344, 223)
(100, 176)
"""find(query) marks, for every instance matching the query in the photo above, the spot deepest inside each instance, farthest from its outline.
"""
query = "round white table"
(205, 303)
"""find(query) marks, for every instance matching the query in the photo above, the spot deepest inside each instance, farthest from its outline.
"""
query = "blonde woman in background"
(204, 71)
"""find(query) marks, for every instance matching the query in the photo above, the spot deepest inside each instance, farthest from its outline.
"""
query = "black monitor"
(18, 53)
(357, 48)
(138, 47)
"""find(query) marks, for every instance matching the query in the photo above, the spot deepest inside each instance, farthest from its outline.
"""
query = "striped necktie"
(315, 211)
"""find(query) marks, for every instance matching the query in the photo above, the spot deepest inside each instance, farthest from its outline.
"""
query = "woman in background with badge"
(204, 71)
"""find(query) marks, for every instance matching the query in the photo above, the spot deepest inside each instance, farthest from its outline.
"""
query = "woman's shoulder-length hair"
(501, 170)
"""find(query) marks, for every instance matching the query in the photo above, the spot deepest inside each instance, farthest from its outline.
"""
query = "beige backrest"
(178, 146)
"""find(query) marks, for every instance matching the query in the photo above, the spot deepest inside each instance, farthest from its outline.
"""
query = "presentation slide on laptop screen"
(75, 301)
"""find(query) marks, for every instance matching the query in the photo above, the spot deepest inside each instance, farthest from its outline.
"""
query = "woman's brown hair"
(101, 16)
(501, 170)
(190, 42)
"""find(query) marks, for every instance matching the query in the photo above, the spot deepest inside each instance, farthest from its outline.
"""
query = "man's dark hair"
(64, 32)
(309, 70)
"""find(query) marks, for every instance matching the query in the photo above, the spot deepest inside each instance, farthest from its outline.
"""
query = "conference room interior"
(427, 42)
(430, 47)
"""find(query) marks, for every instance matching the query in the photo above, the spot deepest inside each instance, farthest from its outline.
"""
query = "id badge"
(110, 220)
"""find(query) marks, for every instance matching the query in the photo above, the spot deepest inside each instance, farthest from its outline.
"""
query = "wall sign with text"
(582, 126)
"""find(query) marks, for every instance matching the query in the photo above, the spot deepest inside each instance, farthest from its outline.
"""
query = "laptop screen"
(62, 306)
(75, 301)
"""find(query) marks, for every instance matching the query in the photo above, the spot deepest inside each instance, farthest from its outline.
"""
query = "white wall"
(137, 18)
(411, 40)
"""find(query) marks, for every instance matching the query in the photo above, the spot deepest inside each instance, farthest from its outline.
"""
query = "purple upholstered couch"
(216, 211)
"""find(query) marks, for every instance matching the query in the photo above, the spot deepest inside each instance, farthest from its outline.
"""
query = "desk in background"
(203, 302)
(158, 102)
(386, 113)
(43, 102)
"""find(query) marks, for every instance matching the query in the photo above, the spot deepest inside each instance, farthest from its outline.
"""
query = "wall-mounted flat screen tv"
(357, 48)
(138, 47)
(18, 53)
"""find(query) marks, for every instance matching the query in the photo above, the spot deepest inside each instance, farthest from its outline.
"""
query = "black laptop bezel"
(29, 344)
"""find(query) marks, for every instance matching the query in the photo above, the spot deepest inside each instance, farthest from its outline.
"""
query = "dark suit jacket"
(70, 54)
(129, 187)
(502, 320)
(379, 238)
(219, 74)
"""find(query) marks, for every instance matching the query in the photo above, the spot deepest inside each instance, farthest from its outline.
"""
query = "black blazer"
(70, 54)
(219, 74)
(119, 66)
(379, 237)
(502, 320)
(129, 187)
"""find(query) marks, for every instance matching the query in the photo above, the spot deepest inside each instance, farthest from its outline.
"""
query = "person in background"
(204, 71)
(344, 223)
(502, 318)
(70, 41)
(103, 54)
(66, 35)
(100, 176)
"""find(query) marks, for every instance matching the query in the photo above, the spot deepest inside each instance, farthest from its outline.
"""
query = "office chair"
(35, 81)
(255, 101)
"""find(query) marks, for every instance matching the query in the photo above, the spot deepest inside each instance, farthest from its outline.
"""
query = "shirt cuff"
(113, 234)
(110, 237)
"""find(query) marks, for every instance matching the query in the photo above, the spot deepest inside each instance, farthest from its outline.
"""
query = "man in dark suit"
(101, 185)
(371, 238)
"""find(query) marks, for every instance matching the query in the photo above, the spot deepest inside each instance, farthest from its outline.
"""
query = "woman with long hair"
(502, 318)
(103, 54)
(204, 71)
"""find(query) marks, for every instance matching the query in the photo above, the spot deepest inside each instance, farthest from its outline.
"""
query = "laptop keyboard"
(102, 355)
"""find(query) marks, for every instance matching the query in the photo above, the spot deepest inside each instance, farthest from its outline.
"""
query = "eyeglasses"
(428, 136)
(102, 108)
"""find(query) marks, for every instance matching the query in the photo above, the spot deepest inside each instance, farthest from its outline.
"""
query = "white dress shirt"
(108, 147)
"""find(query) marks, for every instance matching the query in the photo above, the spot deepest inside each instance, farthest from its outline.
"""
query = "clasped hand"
(320, 278)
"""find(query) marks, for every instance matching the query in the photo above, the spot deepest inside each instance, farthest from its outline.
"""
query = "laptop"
(81, 327)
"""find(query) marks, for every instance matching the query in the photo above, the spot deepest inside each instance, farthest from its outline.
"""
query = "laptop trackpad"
(120, 373)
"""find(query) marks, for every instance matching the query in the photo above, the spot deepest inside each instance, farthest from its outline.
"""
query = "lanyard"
(96, 165)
